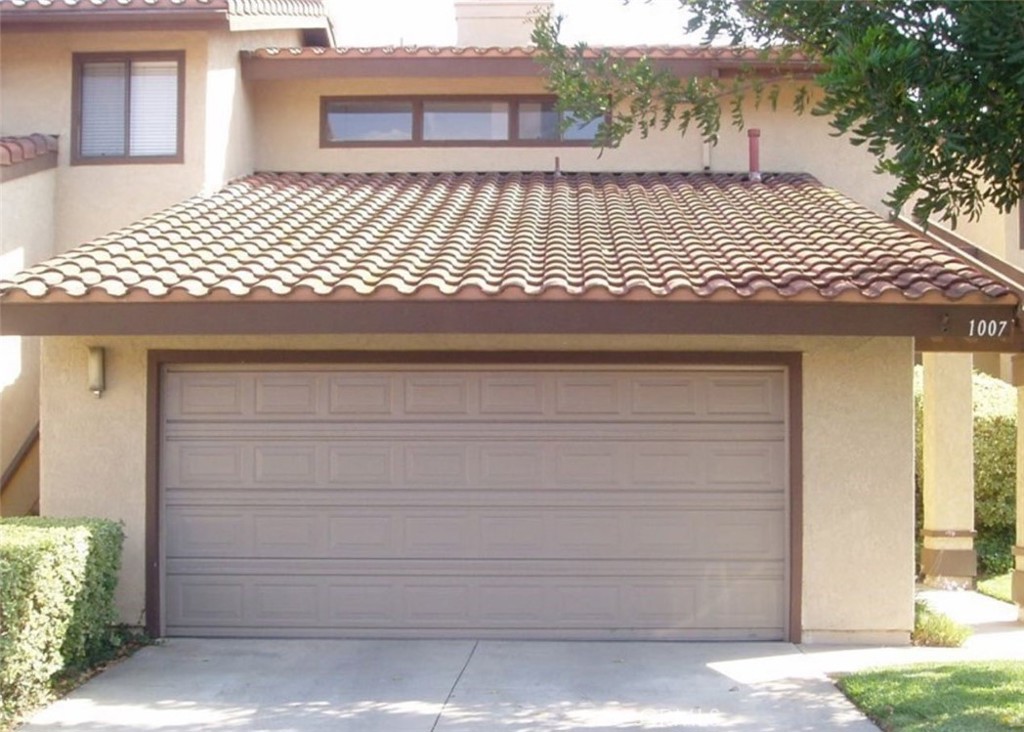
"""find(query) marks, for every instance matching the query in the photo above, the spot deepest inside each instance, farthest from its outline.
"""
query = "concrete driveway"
(456, 686)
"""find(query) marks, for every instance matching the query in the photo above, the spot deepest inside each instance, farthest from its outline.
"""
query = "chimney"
(497, 22)
(754, 144)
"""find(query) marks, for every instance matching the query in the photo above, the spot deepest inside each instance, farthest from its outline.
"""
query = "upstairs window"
(426, 121)
(128, 108)
(543, 121)
(471, 121)
(369, 121)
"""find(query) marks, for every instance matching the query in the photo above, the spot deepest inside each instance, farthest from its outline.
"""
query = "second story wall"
(229, 125)
(96, 197)
(287, 114)
(999, 233)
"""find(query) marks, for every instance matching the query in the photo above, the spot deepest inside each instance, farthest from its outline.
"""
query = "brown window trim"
(78, 60)
(418, 100)
(1020, 224)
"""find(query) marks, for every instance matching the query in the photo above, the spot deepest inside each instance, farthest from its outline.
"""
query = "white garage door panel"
(754, 396)
(477, 462)
(596, 504)
(494, 533)
(486, 603)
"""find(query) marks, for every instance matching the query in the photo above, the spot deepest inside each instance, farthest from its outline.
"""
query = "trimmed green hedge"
(57, 581)
(995, 469)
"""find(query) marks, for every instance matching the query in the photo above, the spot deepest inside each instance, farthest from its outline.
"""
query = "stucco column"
(948, 557)
(1018, 550)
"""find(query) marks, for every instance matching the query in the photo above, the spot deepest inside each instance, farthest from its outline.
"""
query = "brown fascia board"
(941, 326)
(257, 67)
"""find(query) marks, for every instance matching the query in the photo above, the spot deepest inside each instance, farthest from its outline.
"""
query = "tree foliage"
(933, 88)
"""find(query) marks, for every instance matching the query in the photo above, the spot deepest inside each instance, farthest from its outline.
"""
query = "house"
(381, 351)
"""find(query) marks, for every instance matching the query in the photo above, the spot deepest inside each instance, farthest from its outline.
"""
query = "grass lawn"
(941, 697)
(997, 587)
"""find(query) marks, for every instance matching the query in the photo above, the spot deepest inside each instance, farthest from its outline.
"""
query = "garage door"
(521, 503)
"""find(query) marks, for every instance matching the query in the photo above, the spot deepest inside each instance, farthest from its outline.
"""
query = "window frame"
(78, 62)
(418, 100)
(1020, 224)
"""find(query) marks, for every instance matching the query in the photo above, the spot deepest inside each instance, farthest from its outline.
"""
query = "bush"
(57, 581)
(935, 629)
(995, 469)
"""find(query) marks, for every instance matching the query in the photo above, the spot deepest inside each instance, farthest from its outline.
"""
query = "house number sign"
(989, 328)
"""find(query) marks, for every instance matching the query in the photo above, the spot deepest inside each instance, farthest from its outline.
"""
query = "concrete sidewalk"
(997, 635)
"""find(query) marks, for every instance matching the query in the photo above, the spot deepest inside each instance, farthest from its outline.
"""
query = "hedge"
(995, 469)
(57, 582)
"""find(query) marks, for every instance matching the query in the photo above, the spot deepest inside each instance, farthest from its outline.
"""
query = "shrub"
(57, 581)
(935, 629)
(995, 466)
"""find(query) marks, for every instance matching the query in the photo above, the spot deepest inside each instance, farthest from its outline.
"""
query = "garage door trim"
(158, 359)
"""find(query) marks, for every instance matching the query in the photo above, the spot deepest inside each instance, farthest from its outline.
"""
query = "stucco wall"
(996, 232)
(858, 495)
(857, 431)
(26, 238)
(228, 120)
(95, 199)
(288, 134)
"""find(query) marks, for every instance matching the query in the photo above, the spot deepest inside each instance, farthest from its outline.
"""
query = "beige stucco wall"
(858, 491)
(228, 137)
(288, 135)
(95, 199)
(858, 457)
(26, 237)
(998, 233)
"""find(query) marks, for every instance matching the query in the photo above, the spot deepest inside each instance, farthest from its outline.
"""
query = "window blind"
(154, 108)
(104, 95)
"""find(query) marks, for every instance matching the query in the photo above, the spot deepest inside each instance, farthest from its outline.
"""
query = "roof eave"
(154, 19)
(120, 19)
(307, 63)
(935, 326)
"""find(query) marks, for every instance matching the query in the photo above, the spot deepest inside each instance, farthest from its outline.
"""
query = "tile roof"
(462, 61)
(695, 237)
(15, 150)
(314, 8)
(696, 53)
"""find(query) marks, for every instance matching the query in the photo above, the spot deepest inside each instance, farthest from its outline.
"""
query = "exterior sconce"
(97, 370)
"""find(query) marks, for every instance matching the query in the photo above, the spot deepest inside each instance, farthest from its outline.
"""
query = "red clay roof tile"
(512, 235)
(701, 53)
(21, 149)
(314, 8)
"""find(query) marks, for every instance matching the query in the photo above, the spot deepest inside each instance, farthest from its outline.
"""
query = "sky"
(432, 22)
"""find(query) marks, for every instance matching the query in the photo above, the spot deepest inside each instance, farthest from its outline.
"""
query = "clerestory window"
(426, 121)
